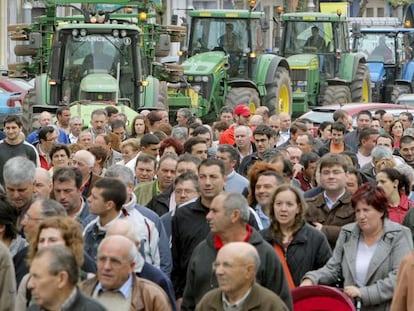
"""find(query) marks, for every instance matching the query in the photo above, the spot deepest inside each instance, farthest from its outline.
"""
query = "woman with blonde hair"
(56, 230)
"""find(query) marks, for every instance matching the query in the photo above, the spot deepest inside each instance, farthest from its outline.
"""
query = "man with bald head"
(43, 185)
(115, 284)
(84, 161)
(143, 269)
(235, 269)
(387, 119)
(227, 218)
(45, 119)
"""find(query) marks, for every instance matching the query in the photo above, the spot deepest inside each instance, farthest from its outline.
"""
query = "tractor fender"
(349, 65)
(243, 83)
(265, 70)
(408, 83)
(408, 71)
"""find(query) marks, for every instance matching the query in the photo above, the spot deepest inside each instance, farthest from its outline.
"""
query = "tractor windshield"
(377, 47)
(97, 67)
(230, 35)
(308, 37)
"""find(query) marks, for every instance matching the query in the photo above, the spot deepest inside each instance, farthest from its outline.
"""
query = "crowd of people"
(141, 214)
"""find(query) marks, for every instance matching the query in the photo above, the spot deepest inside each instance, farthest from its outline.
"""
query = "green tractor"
(323, 69)
(94, 59)
(226, 65)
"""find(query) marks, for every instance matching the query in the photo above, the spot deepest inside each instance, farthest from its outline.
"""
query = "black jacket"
(201, 278)
(161, 202)
(308, 251)
(189, 228)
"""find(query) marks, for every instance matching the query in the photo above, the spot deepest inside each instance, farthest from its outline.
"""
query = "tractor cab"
(239, 37)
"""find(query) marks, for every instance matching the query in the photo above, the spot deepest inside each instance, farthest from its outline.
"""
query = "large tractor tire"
(243, 95)
(398, 90)
(336, 94)
(361, 85)
(279, 94)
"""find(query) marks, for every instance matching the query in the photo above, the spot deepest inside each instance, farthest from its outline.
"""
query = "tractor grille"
(98, 96)
(298, 75)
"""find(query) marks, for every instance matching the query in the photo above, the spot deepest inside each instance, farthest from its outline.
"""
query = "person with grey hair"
(42, 186)
(227, 218)
(143, 269)
(180, 133)
(378, 153)
(19, 176)
(53, 282)
(85, 161)
(154, 243)
(99, 122)
(184, 116)
(235, 268)
(116, 286)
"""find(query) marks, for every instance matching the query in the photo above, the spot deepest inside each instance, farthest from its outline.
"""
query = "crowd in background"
(160, 214)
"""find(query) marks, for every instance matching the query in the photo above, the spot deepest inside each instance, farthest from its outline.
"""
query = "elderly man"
(53, 278)
(19, 177)
(84, 161)
(227, 218)
(143, 269)
(116, 285)
(42, 186)
(235, 269)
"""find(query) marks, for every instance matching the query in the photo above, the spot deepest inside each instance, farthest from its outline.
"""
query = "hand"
(317, 225)
(306, 282)
(352, 291)
(297, 168)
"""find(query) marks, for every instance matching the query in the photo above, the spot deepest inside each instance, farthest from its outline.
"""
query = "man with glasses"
(116, 286)
(331, 209)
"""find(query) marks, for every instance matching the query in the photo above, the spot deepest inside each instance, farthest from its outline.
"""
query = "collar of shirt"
(81, 208)
(106, 227)
(125, 289)
(330, 203)
(67, 305)
(238, 305)
(219, 244)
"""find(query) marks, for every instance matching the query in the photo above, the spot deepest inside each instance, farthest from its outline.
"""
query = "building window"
(370, 12)
(380, 12)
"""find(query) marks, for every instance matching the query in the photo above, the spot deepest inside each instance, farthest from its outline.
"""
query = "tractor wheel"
(336, 94)
(243, 95)
(361, 85)
(398, 90)
(279, 94)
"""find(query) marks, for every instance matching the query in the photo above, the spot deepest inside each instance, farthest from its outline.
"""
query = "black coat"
(308, 251)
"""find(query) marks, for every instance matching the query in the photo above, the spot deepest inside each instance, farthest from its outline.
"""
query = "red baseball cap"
(242, 110)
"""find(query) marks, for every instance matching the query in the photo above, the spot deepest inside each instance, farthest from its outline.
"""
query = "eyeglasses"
(27, 217)
(186, 191)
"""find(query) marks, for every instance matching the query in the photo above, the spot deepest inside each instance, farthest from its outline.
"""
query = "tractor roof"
(313, 17)
(237, 14)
